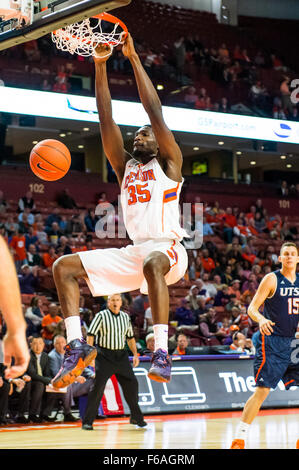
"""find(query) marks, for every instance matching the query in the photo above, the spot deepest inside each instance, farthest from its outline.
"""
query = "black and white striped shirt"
(111, 330)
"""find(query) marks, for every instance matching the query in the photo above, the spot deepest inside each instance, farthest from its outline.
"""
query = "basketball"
(50, 160)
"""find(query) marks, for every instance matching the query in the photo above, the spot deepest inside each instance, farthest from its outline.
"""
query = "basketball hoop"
(84, 37)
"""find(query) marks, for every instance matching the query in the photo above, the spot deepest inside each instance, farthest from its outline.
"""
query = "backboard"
(44, 16)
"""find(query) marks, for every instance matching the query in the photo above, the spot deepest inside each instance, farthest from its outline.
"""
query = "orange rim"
(106, 17)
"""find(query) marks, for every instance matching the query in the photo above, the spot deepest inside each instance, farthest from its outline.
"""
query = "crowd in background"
(185, 62)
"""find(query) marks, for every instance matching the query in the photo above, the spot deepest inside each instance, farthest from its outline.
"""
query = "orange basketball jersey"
(150, 202)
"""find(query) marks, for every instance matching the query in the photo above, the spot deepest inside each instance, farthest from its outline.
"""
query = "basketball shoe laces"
(160, 358)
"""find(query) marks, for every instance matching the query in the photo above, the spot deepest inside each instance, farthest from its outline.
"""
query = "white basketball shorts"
(117, 270)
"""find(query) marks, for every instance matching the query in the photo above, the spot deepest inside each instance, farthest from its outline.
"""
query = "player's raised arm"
(168, 148)
(111, 135)
(266, 289)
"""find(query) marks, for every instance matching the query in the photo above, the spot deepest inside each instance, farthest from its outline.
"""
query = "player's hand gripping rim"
(265, 326)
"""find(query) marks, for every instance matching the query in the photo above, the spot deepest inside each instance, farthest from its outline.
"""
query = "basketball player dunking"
(279, 292)
(150, 180)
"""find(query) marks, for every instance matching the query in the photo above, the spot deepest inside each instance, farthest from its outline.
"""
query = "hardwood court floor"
(273, 429)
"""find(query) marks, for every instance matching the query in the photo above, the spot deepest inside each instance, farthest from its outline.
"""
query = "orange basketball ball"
(50, 160)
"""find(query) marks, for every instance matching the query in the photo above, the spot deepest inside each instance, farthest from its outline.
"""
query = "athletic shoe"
(48, 419)
(35, 419)
(160, 370)
(22, 420)
(87, 427)
(139, 422)
(70, 418)
(78, 355)
(238, 444)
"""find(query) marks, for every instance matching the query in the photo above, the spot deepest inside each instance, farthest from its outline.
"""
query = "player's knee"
(155, 265)
(262, 392)
(68, 265)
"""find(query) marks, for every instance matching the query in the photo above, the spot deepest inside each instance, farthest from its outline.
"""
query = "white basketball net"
(83, 38)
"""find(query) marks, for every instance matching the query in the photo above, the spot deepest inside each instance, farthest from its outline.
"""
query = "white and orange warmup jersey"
(150, 205)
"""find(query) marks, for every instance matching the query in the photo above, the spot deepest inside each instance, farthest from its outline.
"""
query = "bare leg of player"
(156, 265)
(66, 272)
(250, 411)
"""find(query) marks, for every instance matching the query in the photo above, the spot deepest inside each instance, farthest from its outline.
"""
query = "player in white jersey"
(150, 180)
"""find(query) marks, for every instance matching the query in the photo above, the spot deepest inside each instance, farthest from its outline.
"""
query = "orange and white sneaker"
(239, 444)
(297, 444)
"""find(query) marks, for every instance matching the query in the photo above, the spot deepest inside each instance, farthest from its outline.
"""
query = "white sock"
(73, 328)
(161, 337)
(242, 430)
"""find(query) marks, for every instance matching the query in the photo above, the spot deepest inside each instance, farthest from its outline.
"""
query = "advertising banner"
(83, 108)
(197, 385)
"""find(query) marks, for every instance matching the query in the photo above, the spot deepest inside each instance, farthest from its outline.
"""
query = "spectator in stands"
(46, 85)
(53, 217)
(74, 225)
(208, 325)
(184, 315)
(63, 247)
(17, 245)
(28, 279)
(285, 94)
(258, 94)
(193, 298)
(26, 201)
(235, 288)
(238, 343)
(249, 292)
(90, 220)
(222, 297)
(49, 324)
(54, 233)
(33, 258)
(283, 190)
(251, 278)
(206, 228)
(209, 287)
(180, 58)
(140, 304)
(10, 225)
(148, 319)
(49, 257)
(39, 371)
(150, 345)
(224, 106)
(31, 238)
(181, 345)
(228, 278)
(41, 234)
(35, 313)
(248, 255)
(55, 361)
(207, 262)
(29, 218)
(65, 200)
(191, 96)
(61, 84)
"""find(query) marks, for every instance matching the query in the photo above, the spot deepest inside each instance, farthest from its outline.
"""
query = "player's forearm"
(147, 92)
(10, 298)
(103, 96)
(254, 314)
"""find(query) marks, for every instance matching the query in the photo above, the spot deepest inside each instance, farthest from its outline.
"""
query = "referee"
(109, 331)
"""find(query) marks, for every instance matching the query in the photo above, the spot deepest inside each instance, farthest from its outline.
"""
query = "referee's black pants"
(108, 363)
